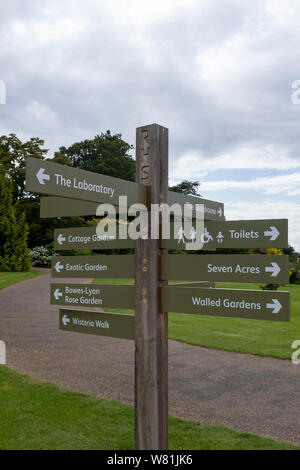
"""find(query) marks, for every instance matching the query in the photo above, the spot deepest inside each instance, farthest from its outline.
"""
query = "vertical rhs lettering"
(145, 156)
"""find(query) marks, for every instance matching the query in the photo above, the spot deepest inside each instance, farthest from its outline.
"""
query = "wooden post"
(151, 325)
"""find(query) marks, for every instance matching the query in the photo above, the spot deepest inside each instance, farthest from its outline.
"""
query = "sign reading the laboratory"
(61, 180)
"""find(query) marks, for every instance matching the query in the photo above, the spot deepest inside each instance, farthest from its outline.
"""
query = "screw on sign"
(78, 192)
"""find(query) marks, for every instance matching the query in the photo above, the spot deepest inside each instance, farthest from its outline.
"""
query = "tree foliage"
(186, 187)
(13, 154)
(106, 154)
(14, 254)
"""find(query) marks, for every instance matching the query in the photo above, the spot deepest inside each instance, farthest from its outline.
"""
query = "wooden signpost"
(77, 192)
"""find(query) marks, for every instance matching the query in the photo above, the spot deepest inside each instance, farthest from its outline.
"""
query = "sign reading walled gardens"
(227, 268)
(62, 180)
(105, 266)
(115, 325)
(258, 305)
(92, 295)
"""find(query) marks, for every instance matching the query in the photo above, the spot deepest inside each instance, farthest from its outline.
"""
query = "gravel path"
(243, 392)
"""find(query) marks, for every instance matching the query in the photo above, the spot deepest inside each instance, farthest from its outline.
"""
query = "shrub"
(41, 256)
(269, 286)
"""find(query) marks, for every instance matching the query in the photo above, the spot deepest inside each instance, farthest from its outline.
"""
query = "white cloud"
(251, 155)
(270, 209)
(286, 183)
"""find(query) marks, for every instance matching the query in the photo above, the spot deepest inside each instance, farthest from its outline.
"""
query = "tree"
(13, 154)
(106, 154)
(186, 187)
(61, 159)
(14, 254)
(293, 255)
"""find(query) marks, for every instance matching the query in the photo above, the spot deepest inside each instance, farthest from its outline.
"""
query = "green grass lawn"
(263, 338)
(9, 278)
(43, 416)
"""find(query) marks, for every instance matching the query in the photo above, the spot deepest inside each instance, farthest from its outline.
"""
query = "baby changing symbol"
(220, 237)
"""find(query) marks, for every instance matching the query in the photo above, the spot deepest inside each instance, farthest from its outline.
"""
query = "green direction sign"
(115, 325)
(268, 233)
(212, 210)
(61, 180)
(257, 305)
(102, 266)
(92, 295)
(227, 268)
(54, 206)
(83, 238)
(64, 207)
(236, 234)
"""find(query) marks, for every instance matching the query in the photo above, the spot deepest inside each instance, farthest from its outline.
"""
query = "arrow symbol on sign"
(57, 294)
(42, 177)
(58, 267)
(273, 233)
(65, 320)
(220, 212)
(276, 306)
(61, 239)
(274, 269)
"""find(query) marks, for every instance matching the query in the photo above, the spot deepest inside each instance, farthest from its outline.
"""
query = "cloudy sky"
(217, 73)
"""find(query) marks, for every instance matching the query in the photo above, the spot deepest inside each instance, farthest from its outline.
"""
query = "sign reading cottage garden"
(77, 192)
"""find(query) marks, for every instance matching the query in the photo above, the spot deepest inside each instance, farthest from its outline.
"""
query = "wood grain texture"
(151, 325)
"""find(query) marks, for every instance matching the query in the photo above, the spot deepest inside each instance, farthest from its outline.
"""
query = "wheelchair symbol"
(206, 236)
